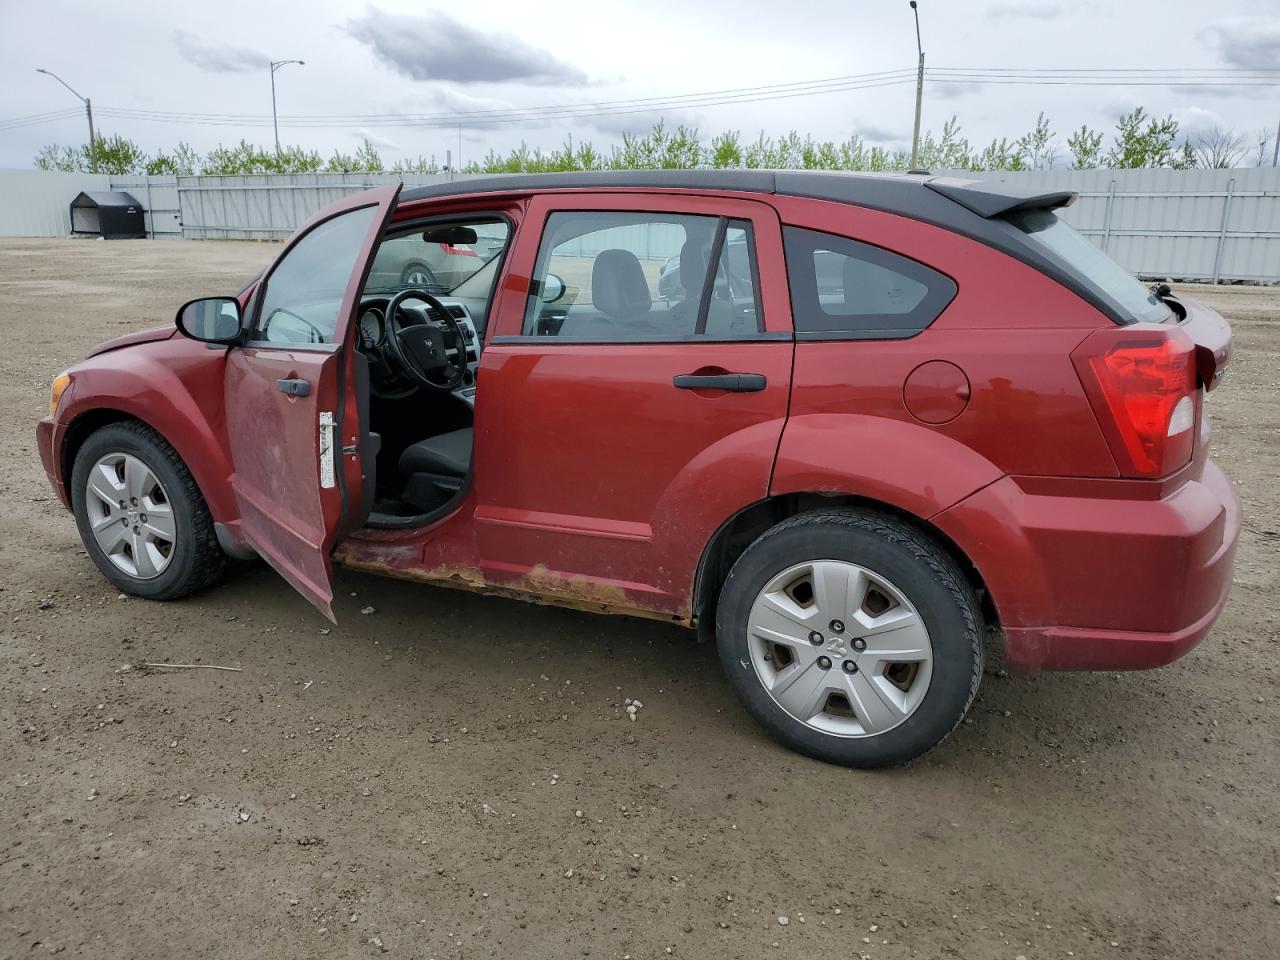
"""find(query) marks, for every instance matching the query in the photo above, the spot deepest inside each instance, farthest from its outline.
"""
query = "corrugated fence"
(1181, 224)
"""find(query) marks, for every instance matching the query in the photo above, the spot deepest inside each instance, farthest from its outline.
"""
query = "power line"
(1100, 82)
(523, 116)
(1084, 70)
(740, 94)
(37, 118)
(1045, 76)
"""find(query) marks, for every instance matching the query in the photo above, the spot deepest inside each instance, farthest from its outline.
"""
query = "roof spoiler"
(989, 198)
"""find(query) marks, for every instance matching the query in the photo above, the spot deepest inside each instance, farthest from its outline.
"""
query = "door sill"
(391, 521)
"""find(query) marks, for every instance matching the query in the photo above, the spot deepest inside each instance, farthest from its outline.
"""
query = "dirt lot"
(454, 776)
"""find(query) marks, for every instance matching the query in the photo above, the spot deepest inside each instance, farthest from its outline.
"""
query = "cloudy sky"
(364, 61)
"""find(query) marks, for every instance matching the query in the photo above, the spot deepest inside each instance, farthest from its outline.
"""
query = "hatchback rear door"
(294, 393)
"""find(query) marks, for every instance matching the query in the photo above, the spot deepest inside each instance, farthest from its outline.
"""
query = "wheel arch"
(740, 530)
(87, 422)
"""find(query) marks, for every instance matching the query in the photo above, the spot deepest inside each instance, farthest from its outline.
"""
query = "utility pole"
(915, 135)
(88, 107)
(276, 65)
(1275, 156)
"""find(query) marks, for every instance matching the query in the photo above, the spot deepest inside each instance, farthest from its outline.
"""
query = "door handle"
(294, 387)
(732, 382)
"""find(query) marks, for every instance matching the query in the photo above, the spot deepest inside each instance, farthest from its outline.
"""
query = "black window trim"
(709, 279)
(761, 334)
(935, 301)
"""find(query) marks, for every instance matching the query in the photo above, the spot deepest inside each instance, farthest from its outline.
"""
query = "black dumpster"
(114, 215)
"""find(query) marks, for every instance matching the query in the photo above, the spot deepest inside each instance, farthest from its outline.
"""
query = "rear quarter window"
(844, 289)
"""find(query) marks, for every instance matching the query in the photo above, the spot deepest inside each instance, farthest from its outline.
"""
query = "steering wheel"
(419, 349)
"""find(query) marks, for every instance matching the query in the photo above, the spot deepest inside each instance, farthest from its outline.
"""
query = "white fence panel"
(34, 203)
(270, 207)
(159, 198)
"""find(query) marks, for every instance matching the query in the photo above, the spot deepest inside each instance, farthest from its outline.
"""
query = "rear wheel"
(851, 637)
(141, 516)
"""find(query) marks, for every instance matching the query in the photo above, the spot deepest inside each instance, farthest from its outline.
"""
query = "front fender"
(175, 387)
(906, 465)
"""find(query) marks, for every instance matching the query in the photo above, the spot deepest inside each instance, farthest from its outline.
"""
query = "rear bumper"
(47, 437)
(1101, 575)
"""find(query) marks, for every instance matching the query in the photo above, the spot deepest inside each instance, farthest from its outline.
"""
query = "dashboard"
(373, 331)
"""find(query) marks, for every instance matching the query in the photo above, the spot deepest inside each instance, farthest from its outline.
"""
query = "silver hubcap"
(130, 515)
(417, 279)
(840, 648)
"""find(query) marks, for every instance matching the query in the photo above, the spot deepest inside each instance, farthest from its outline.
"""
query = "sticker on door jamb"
(327, 477)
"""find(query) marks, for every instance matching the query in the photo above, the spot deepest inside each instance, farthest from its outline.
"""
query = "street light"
(915, 136)
(276, 65)
(88, 107)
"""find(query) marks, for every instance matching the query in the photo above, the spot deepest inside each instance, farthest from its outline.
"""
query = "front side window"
(843, 288)
(641, 277)
(304, 291)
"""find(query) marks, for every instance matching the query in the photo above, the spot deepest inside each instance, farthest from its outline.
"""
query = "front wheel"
(141, 516)
(851, 637)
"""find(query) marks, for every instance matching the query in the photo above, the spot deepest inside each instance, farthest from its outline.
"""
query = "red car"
(885, 413)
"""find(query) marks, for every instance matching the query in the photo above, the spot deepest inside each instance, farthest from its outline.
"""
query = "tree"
(115, 155)
(1220, 149)
(1036, 148)
(419, 164)
(725, 151)
(56, 157)
(183, 162)
(1086, 148)
(950, 152)
(1263, 148)
(1143, 141)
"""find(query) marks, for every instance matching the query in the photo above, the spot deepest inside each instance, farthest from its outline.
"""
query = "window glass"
(304, 291)
(845, 288)
(635, 277)
(438, 258)
(1044, 227)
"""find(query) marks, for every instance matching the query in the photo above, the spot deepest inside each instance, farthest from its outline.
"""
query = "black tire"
(417, 266)
(920, 569)
(197, 560)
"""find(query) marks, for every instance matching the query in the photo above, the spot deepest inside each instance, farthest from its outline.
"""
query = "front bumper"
(1101, 575)
(48, 439)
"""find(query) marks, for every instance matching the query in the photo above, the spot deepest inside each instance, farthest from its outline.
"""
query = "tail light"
(1142, 386)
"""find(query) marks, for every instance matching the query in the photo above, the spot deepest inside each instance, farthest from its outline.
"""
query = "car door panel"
(291, 411)
(596, 475)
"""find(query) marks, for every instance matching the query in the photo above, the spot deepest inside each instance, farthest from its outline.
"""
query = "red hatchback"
(875, 415)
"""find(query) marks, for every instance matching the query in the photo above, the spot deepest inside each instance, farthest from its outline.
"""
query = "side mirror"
(210, 320)
(552, 288)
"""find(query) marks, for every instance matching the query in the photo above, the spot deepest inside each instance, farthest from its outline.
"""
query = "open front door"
(293, 397)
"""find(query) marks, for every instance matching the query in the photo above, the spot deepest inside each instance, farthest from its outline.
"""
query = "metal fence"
(271, 207)
(1179, 224)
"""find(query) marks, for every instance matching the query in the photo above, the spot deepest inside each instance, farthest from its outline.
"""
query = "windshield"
(438, 258)
(1126, 291)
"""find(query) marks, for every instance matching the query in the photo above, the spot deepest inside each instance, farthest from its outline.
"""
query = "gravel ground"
(454, 776)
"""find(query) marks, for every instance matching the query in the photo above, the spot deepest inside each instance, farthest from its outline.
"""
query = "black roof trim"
(749, 181)
(988, 199)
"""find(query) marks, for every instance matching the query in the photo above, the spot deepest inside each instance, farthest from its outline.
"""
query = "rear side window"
(843, 289)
